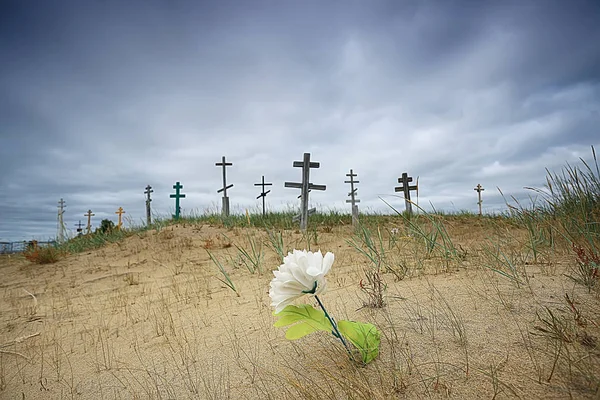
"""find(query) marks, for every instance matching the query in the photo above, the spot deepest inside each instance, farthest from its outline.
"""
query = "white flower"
(302, 272)
(394, 231)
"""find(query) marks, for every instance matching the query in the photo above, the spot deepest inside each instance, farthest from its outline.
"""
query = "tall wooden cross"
(263, 194)
(406, 188)
(479, 189)
(79, 229)
(225, 201)
(305, 186)
(89, 216)
(177, 195)
(148, 200)
(120, 212)
(61, 224)
(353, 200)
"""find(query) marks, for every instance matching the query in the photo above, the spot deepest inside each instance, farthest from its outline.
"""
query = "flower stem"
(335, 332)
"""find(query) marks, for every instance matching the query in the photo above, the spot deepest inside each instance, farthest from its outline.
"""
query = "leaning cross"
(263, 193)
(225, 200)
(177, 195)
(406, 188)
(148, 200)
(89, 216)
(305, 186)
(353, 200)
(120, 212)
(479, 189)
(61, 224)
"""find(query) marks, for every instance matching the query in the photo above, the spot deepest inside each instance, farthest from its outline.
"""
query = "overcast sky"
(100, 98)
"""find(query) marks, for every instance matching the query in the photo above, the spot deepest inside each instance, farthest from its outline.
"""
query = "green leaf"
(365, 337)
(307, 320)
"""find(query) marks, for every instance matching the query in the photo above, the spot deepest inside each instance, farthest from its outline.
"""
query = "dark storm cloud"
(99, 99)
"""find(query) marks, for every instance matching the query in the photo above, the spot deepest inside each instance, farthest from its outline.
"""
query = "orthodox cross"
(305, 186)
(148, 200)
(120, 212)
(263, 194)
(406, 188)
(353, 200)
(79, 229)
(177, 195)
(479, 189)
(225, 200)
(61, 224)
(89, 216)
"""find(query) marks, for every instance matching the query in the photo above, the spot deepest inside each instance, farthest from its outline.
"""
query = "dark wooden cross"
(479, 189)
(305, 186)
(120, 212)
(148, 200)
(177, 195)
(225, 200)
(89, 216)
(61, 224)
(353, 200)
(406, 188)
(79, 229)
(263, 193)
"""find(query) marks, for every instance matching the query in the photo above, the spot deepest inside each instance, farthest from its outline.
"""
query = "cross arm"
(227, 187)
(317, 187)
(312, 164)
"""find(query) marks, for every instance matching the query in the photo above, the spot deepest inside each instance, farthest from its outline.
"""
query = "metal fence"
(18, 247)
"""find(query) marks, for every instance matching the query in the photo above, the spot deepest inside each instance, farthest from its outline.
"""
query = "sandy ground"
(148, 318)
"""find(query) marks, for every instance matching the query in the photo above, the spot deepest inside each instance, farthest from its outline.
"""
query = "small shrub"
(588, 263)
(42, 255)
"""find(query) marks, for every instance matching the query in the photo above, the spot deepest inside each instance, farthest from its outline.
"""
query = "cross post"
(406, 188)
(225, 199)
(353, 200)
(479, 189)
(177, 195)
(148, 200)
(61, 224)
(263, 194)
(305, 187)
(120, 212)
(89, 216)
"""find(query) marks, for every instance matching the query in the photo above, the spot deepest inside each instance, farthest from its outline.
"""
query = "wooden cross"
(406, 188)
(89, 216)
(305, 186)
(263, 193)
(148, 200)
(79, 229)
(353, 200)
(225, 200)
(177, 195)
(120, 212)
(61, 224)
(479, 189)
